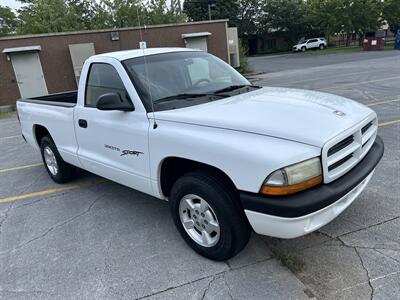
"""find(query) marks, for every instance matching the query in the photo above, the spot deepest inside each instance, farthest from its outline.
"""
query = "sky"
(10, 3)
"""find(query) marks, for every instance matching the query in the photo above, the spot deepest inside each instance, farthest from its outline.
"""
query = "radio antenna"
(142, 45)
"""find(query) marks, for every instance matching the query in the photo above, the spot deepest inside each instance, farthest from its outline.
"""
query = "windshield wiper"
(234, 87)
(185, 96)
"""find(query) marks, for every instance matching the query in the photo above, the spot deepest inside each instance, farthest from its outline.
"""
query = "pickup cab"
(183, 126)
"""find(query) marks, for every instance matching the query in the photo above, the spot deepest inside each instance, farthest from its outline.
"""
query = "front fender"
(246, 158)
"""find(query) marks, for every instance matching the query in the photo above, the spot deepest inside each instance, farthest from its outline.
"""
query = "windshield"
(175, 78)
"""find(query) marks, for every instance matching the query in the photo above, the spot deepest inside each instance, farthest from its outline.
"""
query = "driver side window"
(103, 79)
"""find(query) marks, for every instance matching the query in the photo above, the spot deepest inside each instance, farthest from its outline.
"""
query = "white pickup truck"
(183, 126)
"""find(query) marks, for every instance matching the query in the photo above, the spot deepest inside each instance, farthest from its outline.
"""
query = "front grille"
(340, 162)
(366, 127)
(339, 146)
(342, 153)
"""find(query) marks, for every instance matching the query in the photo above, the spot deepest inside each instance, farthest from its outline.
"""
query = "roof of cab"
(127, 54)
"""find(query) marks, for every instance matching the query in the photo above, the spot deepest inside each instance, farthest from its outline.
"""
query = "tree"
(286, 17)
(157, 12)
(219, 9)
(243, 14)
(8, 21)
(249, 15)
(196, 10)
(121, 13)
(391, 14)
(364, 16)
(80, 14)
(325, 16)
(42, 16)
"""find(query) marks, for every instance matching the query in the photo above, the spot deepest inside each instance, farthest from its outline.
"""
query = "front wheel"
(58, 169)
(206, 212)
(303, 49)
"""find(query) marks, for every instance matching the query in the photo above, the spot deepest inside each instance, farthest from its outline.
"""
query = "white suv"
(315, 43)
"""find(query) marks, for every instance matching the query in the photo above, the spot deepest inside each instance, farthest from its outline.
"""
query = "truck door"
(112, 144)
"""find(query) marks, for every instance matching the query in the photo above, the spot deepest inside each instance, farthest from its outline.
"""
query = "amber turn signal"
(290, 189)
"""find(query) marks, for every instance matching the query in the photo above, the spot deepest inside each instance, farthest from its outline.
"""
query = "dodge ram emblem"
(339, 113)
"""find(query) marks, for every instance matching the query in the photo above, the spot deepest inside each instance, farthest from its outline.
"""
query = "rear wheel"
(58, 169)
(207, 213)
(321, 47)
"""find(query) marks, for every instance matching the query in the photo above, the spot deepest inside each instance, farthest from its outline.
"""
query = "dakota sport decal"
(124, 152)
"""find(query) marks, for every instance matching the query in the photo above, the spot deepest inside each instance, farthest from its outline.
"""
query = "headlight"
(294, 178)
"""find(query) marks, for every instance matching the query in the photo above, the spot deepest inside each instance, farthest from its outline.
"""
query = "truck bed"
(65, 99)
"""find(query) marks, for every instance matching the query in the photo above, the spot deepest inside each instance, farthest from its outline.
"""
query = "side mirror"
(113, 101)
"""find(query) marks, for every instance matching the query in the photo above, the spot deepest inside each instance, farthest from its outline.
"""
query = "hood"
(299, 115)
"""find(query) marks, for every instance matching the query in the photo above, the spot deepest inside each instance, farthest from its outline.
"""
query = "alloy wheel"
(199, 220)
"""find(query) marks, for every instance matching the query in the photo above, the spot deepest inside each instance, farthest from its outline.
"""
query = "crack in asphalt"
(356, 250)
(366, 272)
(181, 285)
(367, 227)
(386, 255)
(6, 214)
(106, 270)
(294, 274)
(213, 276)
(52, 228)
(8, 210)
(227, 285)
(208, 287)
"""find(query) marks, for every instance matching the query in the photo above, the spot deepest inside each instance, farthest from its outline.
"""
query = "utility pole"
(209, 11)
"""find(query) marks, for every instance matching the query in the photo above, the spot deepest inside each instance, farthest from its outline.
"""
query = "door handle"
(82, 123)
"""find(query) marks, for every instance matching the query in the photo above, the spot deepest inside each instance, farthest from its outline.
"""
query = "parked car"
(314, 43)
(182, 125)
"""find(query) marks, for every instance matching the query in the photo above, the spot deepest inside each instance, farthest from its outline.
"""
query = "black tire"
(66, 172)
(223, 199)
(303, 49)
(321, 47)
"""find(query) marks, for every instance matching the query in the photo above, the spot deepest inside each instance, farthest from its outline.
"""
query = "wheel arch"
(172, 168)
(39, 132)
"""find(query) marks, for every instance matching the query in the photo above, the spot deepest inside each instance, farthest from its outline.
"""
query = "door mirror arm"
(113, 101)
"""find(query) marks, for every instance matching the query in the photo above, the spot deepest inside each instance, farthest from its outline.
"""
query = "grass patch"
(271, 53)
(333, 50)
(293, 263)
(388, 46)
(327, 51)
(8, 114)
(337, 50)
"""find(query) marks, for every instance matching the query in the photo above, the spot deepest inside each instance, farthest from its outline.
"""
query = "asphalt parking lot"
(94, 239)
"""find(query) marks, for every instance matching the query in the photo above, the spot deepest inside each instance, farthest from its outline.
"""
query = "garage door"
(198, 43)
